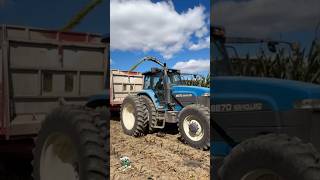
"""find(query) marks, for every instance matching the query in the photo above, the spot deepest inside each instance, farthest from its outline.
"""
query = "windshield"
(175, 78)
(221, 65)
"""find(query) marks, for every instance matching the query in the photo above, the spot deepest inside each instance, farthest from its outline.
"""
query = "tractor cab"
(154, 81)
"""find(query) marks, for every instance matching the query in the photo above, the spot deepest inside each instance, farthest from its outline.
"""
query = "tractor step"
(161, 119)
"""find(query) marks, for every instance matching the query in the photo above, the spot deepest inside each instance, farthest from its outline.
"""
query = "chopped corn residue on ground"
(156, 157)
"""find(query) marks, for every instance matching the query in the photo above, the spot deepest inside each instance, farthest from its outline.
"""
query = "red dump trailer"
(41, 70)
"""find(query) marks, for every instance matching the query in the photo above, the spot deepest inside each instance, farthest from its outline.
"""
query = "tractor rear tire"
(134, 116)
(272, 156)
(198, 116)
(104, 112)
(69, 146)
(152, 112)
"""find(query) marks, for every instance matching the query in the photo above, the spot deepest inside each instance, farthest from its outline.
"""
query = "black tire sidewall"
(104, 112)
(150, 107)
(201, 118)
(248, 162)
(287, 156)
(59, 123)
(130, 100)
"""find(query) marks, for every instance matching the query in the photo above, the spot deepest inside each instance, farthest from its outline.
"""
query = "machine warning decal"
(236, 107)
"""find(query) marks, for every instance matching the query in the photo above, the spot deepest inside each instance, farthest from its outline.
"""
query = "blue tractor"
(166, 99)
(262, 128)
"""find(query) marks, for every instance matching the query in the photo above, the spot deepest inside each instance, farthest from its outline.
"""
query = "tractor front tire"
(194, 126)
(69, 147)
(134, 116)
(273, 156)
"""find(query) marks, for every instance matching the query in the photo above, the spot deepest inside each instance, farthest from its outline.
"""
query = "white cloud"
(266, 17)
(193, 66)
(144, 25)
(201, 44)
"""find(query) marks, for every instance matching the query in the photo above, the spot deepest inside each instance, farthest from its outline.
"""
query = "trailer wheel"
(272, 157)
(69, 147)
(152, 112)
(134, 116)
(194, 126)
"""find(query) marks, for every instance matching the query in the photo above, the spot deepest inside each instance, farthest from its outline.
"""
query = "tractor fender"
(151, 95)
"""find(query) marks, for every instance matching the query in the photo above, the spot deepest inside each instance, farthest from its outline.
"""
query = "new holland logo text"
(236, 107)
(183, 95)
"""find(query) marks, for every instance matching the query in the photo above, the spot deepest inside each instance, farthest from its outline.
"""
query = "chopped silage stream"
(155, 157)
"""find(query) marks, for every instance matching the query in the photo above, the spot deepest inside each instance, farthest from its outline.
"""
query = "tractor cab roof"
(157, 70)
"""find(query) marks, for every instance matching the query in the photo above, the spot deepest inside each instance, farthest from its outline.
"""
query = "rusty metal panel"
(83, 58)
(24, 106)
(33, 56)
(25, 83)
(16, 32)
(123, 83)
(91, 83)
(42, 35)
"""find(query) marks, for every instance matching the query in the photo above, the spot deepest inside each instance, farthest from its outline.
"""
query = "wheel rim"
(261, 174)
(59, 159)
(193, 128)
(128, 117)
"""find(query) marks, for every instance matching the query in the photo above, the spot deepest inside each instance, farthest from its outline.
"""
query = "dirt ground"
(156, 157)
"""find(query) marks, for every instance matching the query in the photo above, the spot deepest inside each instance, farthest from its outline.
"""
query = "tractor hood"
(195, 90)
(282, 93)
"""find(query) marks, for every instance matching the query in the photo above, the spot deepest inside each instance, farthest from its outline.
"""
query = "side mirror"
(272, 47)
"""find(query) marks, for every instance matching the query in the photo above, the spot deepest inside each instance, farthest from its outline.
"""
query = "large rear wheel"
(69, 147)
(272, 157)
(152, 112)
(134, 116)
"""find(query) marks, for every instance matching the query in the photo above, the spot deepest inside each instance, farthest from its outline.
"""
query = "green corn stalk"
(297, 66)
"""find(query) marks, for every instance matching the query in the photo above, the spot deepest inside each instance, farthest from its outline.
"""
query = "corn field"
(202, 81)
(299, 65)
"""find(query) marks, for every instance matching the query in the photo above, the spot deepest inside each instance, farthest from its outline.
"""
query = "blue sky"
(176, 32)
(285, 19)
(54, 14)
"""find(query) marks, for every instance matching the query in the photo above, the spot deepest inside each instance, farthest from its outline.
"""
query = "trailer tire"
(152, 112)
(133, 117)
(286, 157)
(199, 116)
(69, 146)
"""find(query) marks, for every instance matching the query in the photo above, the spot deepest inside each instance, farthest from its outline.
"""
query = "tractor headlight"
(307, 104)
(206, 94)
